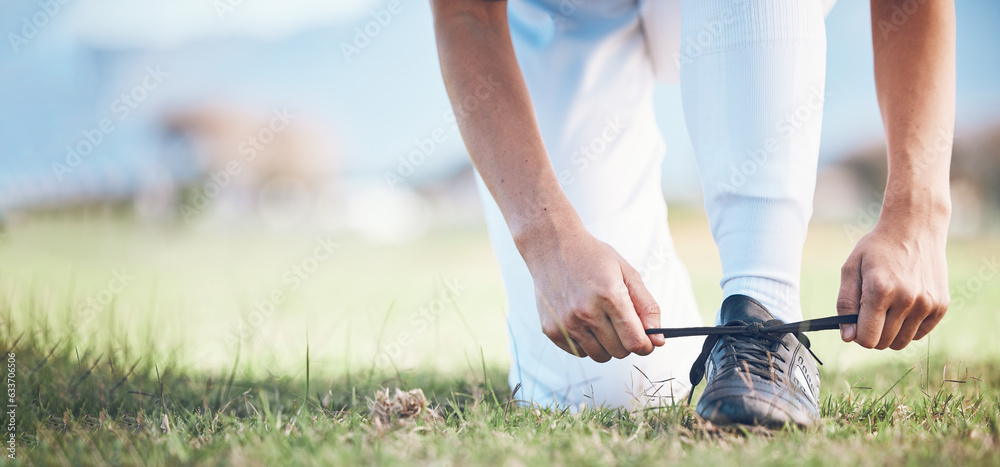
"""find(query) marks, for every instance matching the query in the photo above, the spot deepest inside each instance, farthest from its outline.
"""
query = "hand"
(897, 280)
(591, 302)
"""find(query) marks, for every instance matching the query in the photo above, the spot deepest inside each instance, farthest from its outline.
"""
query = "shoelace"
(756, 340)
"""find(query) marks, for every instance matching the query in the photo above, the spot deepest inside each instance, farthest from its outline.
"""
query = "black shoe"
(757, 378)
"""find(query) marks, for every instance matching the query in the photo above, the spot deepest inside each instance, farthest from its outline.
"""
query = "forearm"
(915, 81)
(500, 130)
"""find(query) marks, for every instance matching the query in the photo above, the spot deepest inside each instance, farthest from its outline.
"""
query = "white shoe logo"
(799, 378)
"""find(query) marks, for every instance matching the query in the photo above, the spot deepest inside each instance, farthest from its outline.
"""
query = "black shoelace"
(751, 343)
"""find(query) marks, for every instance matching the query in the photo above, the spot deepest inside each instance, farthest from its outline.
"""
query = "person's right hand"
(591, 302)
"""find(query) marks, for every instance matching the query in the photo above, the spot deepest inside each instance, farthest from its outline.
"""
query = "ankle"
(780, 298)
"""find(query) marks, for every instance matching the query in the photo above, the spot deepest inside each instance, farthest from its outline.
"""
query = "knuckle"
(880, 285)
(574, 326)
(578, 310)
(636, 346)
(847, 305)
(651, 310)
(907, 296)
(924, 301)
(585, 315)
(933, 320)
(607, 304)
(573, 329)
(612, 293)
(872, 301)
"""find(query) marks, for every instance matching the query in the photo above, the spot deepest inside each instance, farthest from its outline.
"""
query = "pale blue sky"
(274, 53)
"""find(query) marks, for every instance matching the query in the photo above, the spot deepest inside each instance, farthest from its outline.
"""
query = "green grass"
(95, 386)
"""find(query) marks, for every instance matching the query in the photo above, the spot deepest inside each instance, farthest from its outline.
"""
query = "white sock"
(752, 81)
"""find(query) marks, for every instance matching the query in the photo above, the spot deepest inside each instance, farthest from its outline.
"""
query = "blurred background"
(213, 176)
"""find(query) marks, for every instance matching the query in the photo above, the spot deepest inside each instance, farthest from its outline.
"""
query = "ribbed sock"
(752, 81)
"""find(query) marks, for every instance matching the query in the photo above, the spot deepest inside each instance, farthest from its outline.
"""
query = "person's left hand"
(896, 279)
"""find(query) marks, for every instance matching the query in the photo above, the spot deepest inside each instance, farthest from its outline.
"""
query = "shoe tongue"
(743, 308)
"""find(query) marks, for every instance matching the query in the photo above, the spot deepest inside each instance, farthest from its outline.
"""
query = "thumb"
(642, 300)
(849, 297)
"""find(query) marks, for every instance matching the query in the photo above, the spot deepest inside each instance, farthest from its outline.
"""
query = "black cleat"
(757, 378)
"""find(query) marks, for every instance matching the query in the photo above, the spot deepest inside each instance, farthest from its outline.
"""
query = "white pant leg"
(752, 80)
(591, 83)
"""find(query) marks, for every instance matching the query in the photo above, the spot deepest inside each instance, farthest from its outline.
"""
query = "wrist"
(541, 229)
(920, 208)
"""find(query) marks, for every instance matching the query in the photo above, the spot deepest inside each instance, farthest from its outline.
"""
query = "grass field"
(134, 345)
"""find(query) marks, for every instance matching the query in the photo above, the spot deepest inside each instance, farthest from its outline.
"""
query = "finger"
(875, 299)
(890, 328)
(906, 333)
(569, 345)
(593, 347)
(554, 329)
(929, 323)
(630, 333)
(577, 349)
(607, 335)
(849, 297)
(644, 305)
(904, 308)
